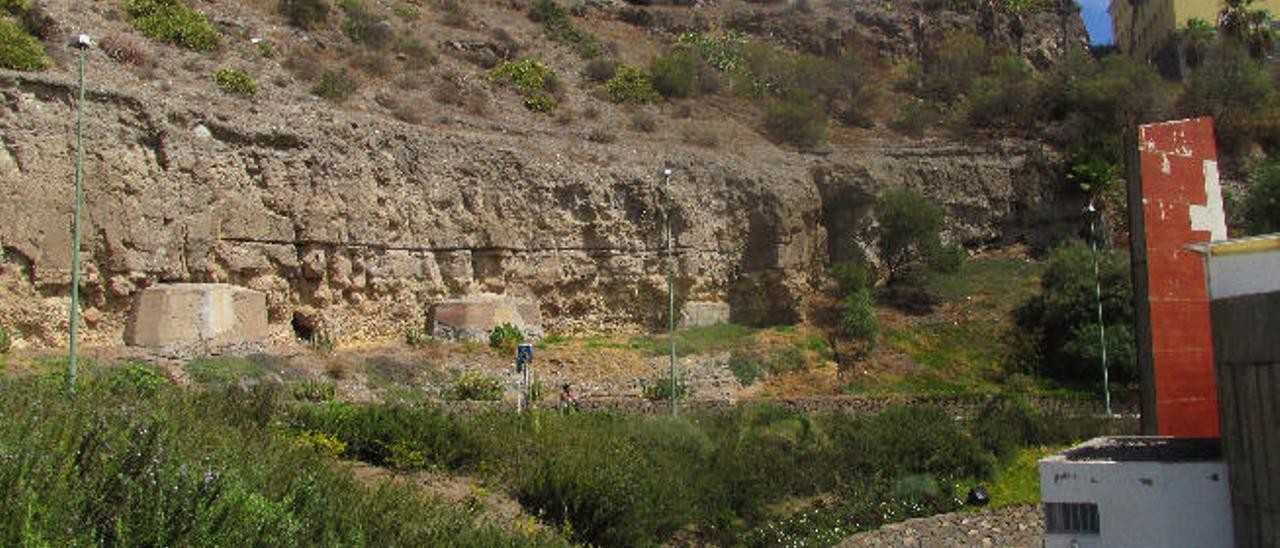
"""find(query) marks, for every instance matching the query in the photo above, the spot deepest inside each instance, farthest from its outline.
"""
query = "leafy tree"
(1237, 92)
(1005, 97)
(1249, 27)
(797, 119)
(1062, 319)
(676, 73)
(909, 228)
(953, 65)
(1197, 37)
(1262, 206)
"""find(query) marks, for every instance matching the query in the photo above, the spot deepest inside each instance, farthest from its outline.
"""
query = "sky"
(1097, 20)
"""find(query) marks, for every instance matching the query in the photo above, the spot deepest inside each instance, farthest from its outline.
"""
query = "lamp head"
(1090, 209)
(667, 172)
(81, 41)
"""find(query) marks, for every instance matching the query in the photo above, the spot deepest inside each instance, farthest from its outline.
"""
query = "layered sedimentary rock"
(356, 224)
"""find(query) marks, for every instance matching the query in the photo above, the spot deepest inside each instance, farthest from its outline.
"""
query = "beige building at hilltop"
(1142, 26)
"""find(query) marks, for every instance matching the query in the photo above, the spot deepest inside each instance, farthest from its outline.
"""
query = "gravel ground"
(1015, 526)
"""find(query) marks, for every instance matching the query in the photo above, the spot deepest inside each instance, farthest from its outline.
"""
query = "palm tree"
(1252, 28)
(1196, 39)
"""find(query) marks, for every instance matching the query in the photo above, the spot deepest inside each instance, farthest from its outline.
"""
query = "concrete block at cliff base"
(195, 319)
(474, 317)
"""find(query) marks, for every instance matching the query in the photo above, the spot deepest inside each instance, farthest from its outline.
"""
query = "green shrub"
(322, 444)
(540, 102)
(925, 439)
(659, 388)
(314, 391)
(475, 387)
(555, 20)
(630, 84)
(1262, 206)
(14, 7)
(305, 14)
(798, 120)
(909, 227)
(174, 22)
(363, 26)
(531, 79)
(944, 258)
(136, 379)
(505, 338)
(19, 50)
(179, 468)
(858, 317)
(747, 366)
(5, 342)
(675, 74)
(335, 85)
(915, 116)
(1062, 319)
(1007, 423)
(525, 76)
(235, 82)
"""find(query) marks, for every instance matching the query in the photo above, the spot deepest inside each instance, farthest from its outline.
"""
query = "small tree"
(909, 229)
(1062, 319)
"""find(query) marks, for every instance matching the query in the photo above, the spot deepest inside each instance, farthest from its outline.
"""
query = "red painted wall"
(1174, 157)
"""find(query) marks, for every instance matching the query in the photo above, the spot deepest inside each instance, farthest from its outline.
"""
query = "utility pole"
(671, 287)
(81, 42)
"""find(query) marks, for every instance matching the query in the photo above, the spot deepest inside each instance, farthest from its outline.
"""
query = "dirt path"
(1013, 527)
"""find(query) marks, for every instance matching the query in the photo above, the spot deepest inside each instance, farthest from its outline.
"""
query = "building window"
(1071, 518)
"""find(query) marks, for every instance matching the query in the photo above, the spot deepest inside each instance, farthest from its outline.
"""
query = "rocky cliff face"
(355, 224)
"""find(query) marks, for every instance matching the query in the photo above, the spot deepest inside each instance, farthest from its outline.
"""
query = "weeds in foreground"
(106, 467)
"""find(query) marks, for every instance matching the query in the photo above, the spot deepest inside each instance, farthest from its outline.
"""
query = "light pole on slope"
(81, 42)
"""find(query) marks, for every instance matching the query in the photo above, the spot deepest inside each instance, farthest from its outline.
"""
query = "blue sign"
(524, 356)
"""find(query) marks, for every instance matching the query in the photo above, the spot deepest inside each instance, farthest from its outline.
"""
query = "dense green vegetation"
(175, 22)
(129, 462)
(633, 480)
(235, 82)
(1062, 321)
(19, 50)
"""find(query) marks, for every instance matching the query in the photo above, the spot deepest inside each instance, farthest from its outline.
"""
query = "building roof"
(1146, 449)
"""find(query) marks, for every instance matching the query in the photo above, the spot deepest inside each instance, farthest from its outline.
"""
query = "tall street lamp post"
(671, 287)
(1097, 286)
(81, 42)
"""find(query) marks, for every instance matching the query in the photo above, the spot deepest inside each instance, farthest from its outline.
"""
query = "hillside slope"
(432, 181)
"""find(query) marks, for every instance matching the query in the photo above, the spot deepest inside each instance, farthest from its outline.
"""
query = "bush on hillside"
(335, 85)
(909, 226)
(305, 14)
(504, 338)
(235, 82)
(953, 64)
(1262, 206)
(915, 116)
(476, 387)
(174, 22)
(924, 439)
(19, 50)
(1238, 92)
(558, 25)
(858, 318)
(630, 84)
(531, 79)
(1062, 320)
(675, 74)
(798, 120)
(1005, 98)
(5, 342)
(1007, 423)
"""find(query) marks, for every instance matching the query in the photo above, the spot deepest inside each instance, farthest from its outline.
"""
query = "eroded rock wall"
(354, 224)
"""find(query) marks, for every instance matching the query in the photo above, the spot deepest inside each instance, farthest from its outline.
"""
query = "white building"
(1137, 492)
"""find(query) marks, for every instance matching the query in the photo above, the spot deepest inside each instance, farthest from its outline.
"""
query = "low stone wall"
(1125, 419)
